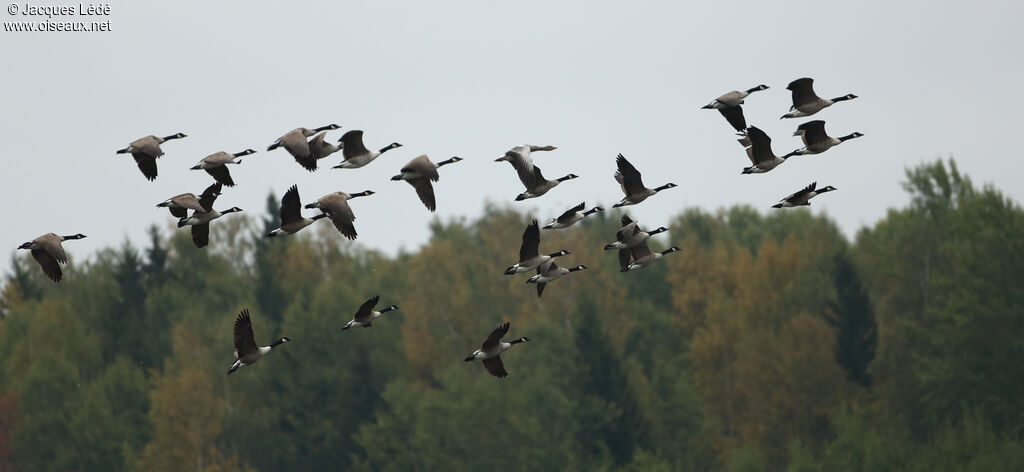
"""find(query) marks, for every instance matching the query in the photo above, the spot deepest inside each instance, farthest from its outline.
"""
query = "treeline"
(771, 343)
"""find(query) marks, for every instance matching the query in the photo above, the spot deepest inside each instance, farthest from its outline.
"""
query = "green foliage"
(769, 343)
(854, 321)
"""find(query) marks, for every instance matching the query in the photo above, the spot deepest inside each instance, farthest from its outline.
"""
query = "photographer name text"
(50, 11)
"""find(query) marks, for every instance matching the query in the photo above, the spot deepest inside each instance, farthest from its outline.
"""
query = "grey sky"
(473, 79)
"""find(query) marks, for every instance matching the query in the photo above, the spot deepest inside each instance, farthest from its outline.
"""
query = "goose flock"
(308, 146)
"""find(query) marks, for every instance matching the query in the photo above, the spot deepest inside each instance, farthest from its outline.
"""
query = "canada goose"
(630, 235)
(537, 185)
(806, 102)
(632, 185)
(729, 106)
(759, 149)
(295, 143)
(816, 141)
(320, 148)
(179, 205)
(335, 205)
(803, 196)
(640, 256)
(200, 223)
(246, 350)
(521, 161)
(734, 98)
(145, 150)
(571, 216)
(529, 252)
(49, 253)
(366, 314)
(216, 165)
(419, 172)
(291, 214)
(490, 351)
(200, 219)
(355, 152)
(548, 272)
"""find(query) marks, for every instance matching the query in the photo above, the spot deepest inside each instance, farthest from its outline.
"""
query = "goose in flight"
(630, 235)
(49, 253)
(816, 140)
(291, 214)
(803, 196)
(806, 102)
(295, 143)
(335, 205)
(632, 184)
(729, 106)
(216, 165)
(490, 351)
(145, 150)
(201, 218)
(538, 185)
(355, 153)
(529, 252)
(179, 205)
(420, 172)
(522, 161)
(571, 216)
(759, 149)
(549, 272)
(246, 350)
(366, 314)
(640, 256)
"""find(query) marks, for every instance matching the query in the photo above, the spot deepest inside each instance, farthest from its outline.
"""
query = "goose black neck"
(849, 136)
(388, 147)
(173, 136)
(663, 187)
(563, 179)
(317, 217)
(326, 128)
(276, 343)
(844, 98)
(74, 236)
(516, 341)
(243, 153)
(448, 161)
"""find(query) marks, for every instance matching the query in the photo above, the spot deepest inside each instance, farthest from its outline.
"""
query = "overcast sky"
(473, 79)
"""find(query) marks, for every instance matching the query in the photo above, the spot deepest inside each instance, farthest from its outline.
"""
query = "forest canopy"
(770, 342)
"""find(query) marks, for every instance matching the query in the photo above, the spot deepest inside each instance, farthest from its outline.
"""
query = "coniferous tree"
(854, 321)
